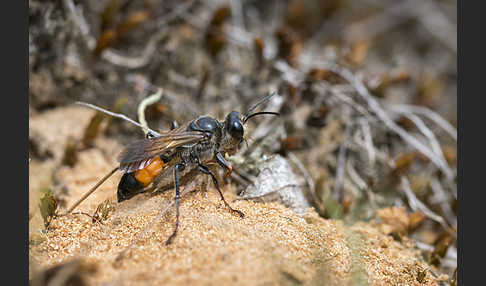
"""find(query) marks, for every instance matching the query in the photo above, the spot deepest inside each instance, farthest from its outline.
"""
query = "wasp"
(175, 153)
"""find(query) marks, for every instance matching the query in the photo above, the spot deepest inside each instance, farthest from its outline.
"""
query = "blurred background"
(367, 92)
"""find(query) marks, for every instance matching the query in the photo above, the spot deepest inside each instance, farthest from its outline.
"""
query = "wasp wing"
(140, 153)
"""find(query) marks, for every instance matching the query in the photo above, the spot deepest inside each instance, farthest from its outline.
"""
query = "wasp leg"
(177, 168)
(206, 171)
(174, 125)
(224, 164)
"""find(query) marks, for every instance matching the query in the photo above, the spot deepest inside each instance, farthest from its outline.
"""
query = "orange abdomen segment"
(146, 175)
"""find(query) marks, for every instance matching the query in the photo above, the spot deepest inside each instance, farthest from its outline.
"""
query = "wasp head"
(234, 125)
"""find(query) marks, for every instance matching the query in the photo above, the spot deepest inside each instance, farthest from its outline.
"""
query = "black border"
(460, 153)
(15, 175)
(471, 187)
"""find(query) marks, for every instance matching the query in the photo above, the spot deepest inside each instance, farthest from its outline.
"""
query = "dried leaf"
(396, 218)
(291, 143)
(454, 278)
(70, 153)
(203, 83)
(259, 46)
(109, 13)
(107, 39)
(450, 154)
(416, 219)
(358, 53)
(442, 244)
(333, 209)
(133, 21)
(215, 38)
(421, 275)
(289, 45)
(48, 206)
(103, 210)
(379, 85)
(92, 130)
(318, 116)
(119, 103)
(403, 163)
(430, 89)
(36, 239)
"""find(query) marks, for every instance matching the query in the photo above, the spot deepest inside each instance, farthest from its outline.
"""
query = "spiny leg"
(223, 163)
(177, 168)
(206, 170)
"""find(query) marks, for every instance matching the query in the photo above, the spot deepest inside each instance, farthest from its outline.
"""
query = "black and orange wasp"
(191, 146)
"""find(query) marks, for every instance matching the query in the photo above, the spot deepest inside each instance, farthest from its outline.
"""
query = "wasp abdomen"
(146, 175)
(133, 183)
(128, 187)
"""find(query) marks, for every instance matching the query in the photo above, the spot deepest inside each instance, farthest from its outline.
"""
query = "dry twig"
(417, 205)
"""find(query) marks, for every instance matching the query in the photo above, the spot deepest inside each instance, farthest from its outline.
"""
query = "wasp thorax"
(234, 126)
(205, 123)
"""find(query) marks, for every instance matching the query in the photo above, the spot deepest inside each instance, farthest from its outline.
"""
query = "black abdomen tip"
(128, 187)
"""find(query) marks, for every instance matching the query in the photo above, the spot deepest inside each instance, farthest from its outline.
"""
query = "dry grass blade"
(80, 23)
(438, 25)
(434, 143)
(341, 164)
(353, 175)
(117, 115)
(375, 106)
(417, 205)
(294, 75)
(162, 29)
(368, 139)
(143, 104)
(443, 199)
(432, 115)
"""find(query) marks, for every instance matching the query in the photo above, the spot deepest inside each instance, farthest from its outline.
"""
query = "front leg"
(223, 163)
(206, 171)
(177, 168)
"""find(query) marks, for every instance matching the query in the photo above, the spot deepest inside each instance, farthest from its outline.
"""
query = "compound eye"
(236, 129)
